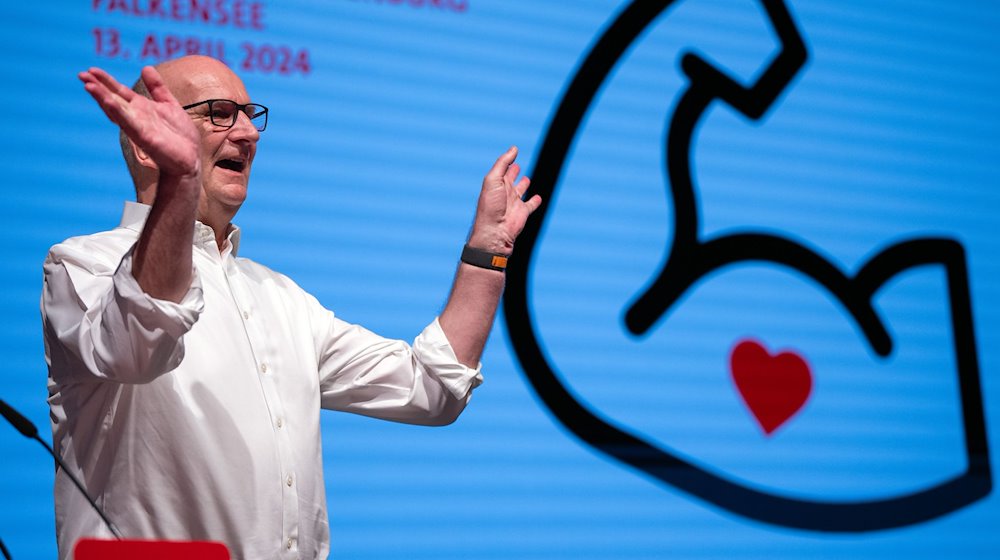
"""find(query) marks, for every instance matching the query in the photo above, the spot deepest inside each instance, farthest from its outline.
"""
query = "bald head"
(192, 78)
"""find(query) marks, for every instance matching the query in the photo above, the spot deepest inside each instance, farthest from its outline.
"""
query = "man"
(185, 382)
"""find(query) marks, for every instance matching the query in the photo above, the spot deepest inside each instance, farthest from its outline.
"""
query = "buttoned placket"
(265, 356)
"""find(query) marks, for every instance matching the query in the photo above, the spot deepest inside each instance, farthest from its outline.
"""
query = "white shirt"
(200, 420)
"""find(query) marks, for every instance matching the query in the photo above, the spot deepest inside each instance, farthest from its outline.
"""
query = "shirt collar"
(134, 217)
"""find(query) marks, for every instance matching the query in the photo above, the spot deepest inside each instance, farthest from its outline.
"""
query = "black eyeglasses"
(224, 112)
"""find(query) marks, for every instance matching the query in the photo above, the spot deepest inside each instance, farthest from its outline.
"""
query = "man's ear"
(142, 158)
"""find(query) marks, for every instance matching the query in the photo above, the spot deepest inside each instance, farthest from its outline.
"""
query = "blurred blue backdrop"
(384, 117)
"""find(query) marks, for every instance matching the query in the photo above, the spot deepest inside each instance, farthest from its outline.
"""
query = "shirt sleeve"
(99, 324)
(364, 373)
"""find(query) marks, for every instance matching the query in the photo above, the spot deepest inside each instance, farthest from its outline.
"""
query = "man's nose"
(245, 128)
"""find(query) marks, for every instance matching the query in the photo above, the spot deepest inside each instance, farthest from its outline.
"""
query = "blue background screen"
(752, 386)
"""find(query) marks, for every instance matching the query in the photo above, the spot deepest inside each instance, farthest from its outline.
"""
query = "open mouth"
(237, 165)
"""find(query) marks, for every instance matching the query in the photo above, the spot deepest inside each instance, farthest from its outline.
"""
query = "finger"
(97, 89)
(533, 203)
(511, 175)
(112, 105)
(86, 76)
(502, 163)
(112, 85)
(522, 186)
(158, 89)
(93, 86)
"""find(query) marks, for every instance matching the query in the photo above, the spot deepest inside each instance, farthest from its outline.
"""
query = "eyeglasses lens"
(224, 113)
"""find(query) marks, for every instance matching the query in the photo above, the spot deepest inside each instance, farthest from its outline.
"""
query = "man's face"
(226, 153)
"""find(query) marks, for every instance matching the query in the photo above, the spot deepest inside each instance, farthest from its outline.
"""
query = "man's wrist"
(492, 242)
(185, 184)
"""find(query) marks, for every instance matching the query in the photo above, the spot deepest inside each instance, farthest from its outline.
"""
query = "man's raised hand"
(159, 127)
(501, 213)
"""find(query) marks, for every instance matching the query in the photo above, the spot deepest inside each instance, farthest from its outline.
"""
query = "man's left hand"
(501, 212)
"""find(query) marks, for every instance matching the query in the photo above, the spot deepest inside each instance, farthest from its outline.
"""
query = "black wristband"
(484, 259)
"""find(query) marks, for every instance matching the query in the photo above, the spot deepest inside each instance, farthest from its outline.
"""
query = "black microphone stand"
(28, 429)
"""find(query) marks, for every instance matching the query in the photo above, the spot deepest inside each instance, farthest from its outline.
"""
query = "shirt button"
(246, 315)
(288, 544)
(263, 368)
(279, 422)
(288, 481)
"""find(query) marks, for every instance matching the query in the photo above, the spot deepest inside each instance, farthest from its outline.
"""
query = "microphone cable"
(29, 430)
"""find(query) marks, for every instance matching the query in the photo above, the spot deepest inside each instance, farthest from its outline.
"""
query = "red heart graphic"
(773, 387)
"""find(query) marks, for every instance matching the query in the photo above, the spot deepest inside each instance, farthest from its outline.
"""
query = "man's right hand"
(158, 126)
(166, 138)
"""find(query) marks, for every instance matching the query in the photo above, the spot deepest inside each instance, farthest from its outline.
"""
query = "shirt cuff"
(152, 314)
(433, 350)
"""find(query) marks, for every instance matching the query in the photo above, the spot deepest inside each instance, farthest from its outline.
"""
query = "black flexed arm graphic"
(692, 258)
